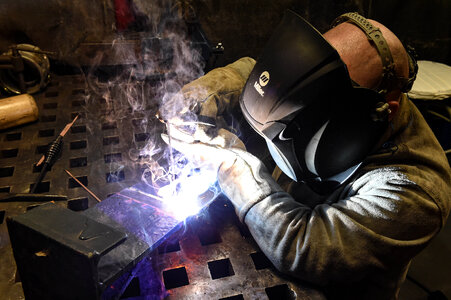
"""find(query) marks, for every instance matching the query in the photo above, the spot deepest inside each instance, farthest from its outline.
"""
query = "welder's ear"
(394, 106)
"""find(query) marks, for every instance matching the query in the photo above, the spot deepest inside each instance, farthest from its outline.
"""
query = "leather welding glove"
(207, 98)
(242, 177)
(245, 181)
(219, 90)
(222, 137)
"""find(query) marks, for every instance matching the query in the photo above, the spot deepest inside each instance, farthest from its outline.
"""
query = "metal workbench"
(213, 258)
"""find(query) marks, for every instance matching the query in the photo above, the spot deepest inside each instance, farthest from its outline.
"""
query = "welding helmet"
(318, 125)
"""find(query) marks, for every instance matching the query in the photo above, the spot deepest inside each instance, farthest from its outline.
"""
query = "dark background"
(242, 26)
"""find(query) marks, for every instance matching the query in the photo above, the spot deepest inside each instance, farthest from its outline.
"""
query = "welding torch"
(52, 154)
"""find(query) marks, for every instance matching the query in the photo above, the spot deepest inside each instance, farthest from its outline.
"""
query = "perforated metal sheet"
(215, 258)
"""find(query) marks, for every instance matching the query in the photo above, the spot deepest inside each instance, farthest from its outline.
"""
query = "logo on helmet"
(264, 78)
(262, 81)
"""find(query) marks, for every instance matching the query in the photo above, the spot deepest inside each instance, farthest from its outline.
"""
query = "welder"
(361, 184)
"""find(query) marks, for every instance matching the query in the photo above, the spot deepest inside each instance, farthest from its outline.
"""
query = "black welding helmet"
(318, 125)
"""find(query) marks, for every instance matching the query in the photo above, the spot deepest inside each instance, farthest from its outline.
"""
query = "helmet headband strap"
(374, 34)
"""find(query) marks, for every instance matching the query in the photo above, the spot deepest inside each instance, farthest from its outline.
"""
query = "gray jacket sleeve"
(380, 220)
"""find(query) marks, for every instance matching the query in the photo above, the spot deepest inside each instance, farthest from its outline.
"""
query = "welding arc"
(83, 186)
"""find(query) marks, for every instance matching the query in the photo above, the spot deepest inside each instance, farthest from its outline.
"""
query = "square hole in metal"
(78, 145)
(133, 289)
(236, 297)
(9, 153)
(41, 149)
(78, 92)
(175, 278)
(101, 101)
(15, 136)
(208, 236)
(2, 216)
(5, 189)
(52, 105)
(48, 118)
(78, 80)
(144, 157)
(37, 169)
(115, 176)
(81, 115)
(6, 171)
(139, 122)
(107, 126)
(169, 247)
(112, 157)
(46, 132)
(43, 187)
(73, 184)
(110, 140)
(260, 261)
(280, 292)
(51, 94)
(78, 162)
(107, 111)
(220, 268)
(78, 204)
(141, 137)
(76, 103)
(78, 129)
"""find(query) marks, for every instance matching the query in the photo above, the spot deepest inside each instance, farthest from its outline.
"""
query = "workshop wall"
(426, 25)
(243, 26)
(55, 25)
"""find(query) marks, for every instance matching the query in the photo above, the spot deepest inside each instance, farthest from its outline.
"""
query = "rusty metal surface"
(215, 258)
(92, 151)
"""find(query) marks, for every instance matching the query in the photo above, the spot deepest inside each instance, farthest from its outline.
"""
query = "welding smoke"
(137, 95)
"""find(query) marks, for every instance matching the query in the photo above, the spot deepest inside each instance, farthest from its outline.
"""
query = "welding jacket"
(358, 242)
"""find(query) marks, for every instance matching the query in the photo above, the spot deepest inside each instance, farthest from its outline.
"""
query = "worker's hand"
(201, 103)
(218, 90)
(222, 137)
(242, 177)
